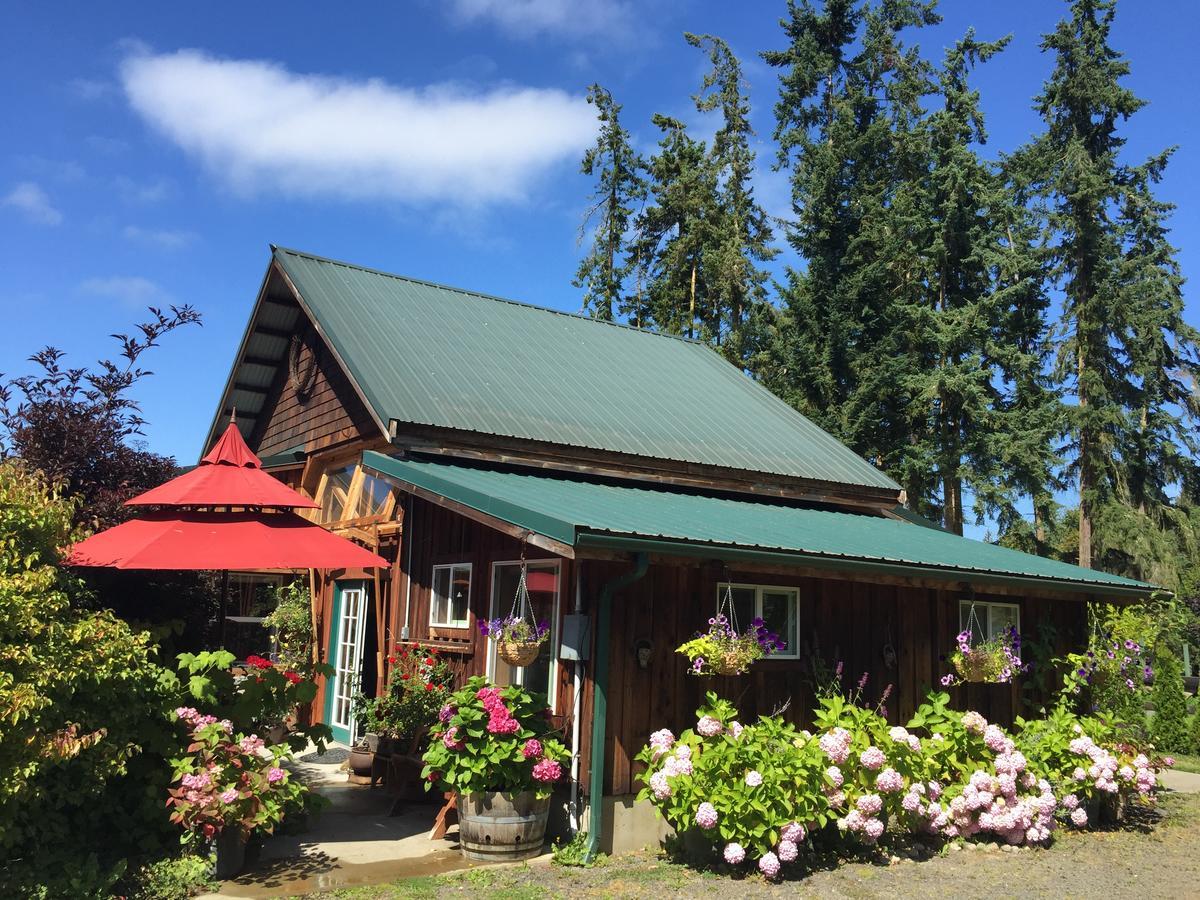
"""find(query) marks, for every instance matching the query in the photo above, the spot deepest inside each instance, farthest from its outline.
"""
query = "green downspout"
(600, 697)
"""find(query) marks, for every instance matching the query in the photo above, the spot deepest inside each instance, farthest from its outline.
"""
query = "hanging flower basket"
(994, 661)
(518, 653)
(723, 650)
(518, 637)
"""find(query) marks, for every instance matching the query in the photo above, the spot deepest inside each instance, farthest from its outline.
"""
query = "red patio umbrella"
(227, 513)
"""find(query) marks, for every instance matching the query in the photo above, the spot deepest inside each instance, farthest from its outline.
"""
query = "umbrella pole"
(224, 603)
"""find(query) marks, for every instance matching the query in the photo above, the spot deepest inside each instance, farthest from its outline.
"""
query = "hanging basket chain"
(521, 654)
(727, 604)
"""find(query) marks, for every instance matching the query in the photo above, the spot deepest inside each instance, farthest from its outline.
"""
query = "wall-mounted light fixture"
(644, 651)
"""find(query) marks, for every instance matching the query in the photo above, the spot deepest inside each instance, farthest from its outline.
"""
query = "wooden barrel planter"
(495, 827)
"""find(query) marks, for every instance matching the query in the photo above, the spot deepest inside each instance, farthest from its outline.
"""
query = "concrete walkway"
(1184, 782)
(354, 841)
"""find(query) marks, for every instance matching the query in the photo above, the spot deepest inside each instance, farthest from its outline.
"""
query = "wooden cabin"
(641, 476)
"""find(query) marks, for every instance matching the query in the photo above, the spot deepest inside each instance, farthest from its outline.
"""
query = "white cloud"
(164, 238)
(30, 199)
(142, 192)
(530, 18)
(258, 126)
(131, 290)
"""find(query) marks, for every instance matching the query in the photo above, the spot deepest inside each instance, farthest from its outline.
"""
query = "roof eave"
(632, 543)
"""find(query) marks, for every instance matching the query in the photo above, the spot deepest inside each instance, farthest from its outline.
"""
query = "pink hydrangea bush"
(755, 796)
(750, 793)
(492, 738)
(1090, 765)
(229, 780)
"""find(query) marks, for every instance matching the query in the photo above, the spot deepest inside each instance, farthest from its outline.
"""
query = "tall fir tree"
(1128, 358)
(742, 232)
(675, 235)
(848, 123)
(620, 187)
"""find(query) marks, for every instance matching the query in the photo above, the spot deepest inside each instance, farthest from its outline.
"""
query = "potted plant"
(492, 747)
(518, 640)
(229, 787)
(722, 650)
(994, 661)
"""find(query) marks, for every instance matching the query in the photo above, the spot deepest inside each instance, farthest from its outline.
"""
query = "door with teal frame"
(346, 635)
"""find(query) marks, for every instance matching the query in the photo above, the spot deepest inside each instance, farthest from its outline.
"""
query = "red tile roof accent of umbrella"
(204, 540)
(230, 475)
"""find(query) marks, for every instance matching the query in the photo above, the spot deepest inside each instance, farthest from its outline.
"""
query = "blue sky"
(155, 150)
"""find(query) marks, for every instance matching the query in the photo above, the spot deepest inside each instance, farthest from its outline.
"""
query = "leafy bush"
(84, 731)
(253, 702)
(756, 793)
(292, 622)
(172, 878)
(229, 780)
(733, 788)
(1169, 725)
(494, 739)
(418, 685)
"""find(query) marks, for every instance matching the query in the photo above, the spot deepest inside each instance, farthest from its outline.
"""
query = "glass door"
(346, 633)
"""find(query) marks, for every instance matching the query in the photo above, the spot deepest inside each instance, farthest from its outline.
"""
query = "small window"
(451, 600)
(778, 607)
(991, 619)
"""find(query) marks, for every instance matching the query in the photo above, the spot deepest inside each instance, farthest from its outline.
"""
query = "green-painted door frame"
(345, 655)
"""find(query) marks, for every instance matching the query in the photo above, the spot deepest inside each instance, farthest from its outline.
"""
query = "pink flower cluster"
(251, 744)
(532, 748)
(192, 717)
(547, 770)
(872, 758)
(677, 763)
(500, 720)
(991, 804)
(661, 742)
(451, 740)
(900, 735)
(836, 745)
(1105, 773)
(865, 825)
(709, 726)
(275, 775)
(706, 816)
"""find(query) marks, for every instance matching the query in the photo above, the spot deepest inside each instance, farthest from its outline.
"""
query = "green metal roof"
(582, 512)
(431, 355)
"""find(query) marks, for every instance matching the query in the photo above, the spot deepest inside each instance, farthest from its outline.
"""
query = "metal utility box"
(576, 637)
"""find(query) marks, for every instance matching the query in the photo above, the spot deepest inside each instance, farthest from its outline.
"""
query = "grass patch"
(1186, 762)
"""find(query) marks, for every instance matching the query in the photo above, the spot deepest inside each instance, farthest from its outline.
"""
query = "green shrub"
(172, 878)
(292, 621)
(1169, 725)
(84, 731)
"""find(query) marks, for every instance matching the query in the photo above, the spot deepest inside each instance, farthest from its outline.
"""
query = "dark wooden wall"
(841, 620)
(326, 415)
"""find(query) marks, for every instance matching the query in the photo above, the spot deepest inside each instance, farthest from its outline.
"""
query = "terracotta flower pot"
(361, 761)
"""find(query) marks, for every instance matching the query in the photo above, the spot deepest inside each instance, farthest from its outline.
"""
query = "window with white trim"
(450, 600)
(991, 619)
(778, 607)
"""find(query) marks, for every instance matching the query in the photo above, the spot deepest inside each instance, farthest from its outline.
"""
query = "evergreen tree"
(620, 185)
(742, 232)
(848, 123)
(1128, 358)
(1169, 727)
(675, 238)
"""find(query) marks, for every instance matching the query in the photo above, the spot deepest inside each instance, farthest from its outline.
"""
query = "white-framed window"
(450, 599)
(544, 591)
(991, 619)
(778, 607)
